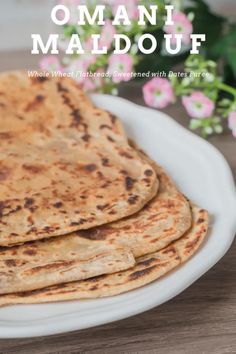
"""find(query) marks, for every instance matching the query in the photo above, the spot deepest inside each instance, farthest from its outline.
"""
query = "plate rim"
(32, 329)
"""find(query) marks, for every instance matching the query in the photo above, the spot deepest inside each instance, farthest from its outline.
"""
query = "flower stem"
(226, 88)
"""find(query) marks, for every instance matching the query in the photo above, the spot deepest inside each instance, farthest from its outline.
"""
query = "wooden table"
(200, 320)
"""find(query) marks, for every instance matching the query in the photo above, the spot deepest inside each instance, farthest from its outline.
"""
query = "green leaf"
(195, 124)
(69, 30)
(226, 48)
(206, 22)
(208, 130)
(230, 56)
(200, 4)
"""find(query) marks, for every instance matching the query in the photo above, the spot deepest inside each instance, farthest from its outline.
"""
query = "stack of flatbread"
(84, 213)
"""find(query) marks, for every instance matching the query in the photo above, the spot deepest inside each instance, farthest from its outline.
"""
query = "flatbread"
(148, 269)
(101, 250)
(73, 257)
(65, 165)
(81, 254)
(164, 219)
(36, 265)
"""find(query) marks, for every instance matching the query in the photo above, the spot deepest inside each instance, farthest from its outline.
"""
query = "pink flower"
(232, 122)
(51, 63)
(130, 5)
(78, 67)
(158, 93)
(89, 59)
(94, 83)
(81, 66)
(107, 34)
(120, 64)
(88, 85)
(88, 45)
(198, 105)
(181, 25)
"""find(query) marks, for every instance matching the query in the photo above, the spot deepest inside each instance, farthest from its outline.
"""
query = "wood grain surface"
(200, 320)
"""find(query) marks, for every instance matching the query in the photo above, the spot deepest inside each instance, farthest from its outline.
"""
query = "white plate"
(202, 174)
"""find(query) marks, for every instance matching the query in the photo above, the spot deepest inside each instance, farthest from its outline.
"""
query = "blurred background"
(214, 93)
(20, 18)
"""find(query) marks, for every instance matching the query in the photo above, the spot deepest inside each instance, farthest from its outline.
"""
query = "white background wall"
(224, 7)
(20, 18)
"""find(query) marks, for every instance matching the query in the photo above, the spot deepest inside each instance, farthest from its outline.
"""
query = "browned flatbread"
(38, 264)
(164, 219)
(84, 254)
(148, 269)
(65, 165)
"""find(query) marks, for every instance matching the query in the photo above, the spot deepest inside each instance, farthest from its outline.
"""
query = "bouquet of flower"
(208, 97)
